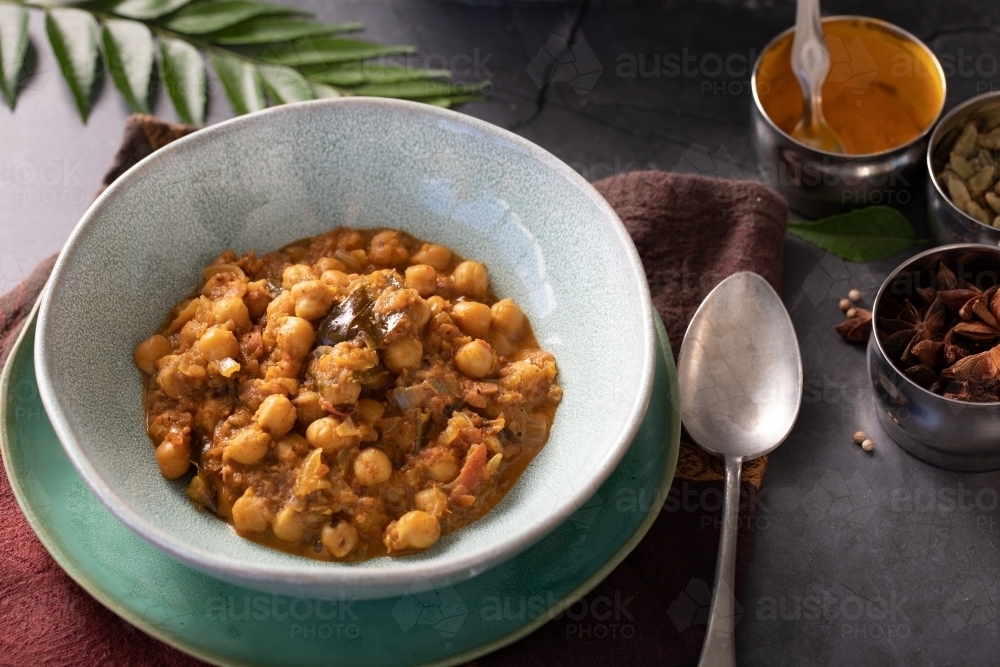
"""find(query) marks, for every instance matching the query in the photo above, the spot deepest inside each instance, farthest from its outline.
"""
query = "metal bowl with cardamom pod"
(934, 356)
(963, 192)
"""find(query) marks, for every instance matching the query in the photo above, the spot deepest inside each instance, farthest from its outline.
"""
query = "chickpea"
(432, 500)
(372, 467)
(472, 317)
(283, 304)
(369, 411)
(421, 313)
(386, 249)
(433, 255)
(443, 469)
(413, 530)
(436, 305)
(475, 359)
(423, 278)
(174, 458)
(247, 446)
(313, 299)
(307, 407)
(276, 415)
(287, 526)
(339, 538)
(151, 350)
(405, 353)
(335, 278)
(499, 343)
(248, 513)
(508, 319)
(471, 279)
(323, 433)
(324, 264)
(217, 343)
(295, 336)
(232, 309)
(296, 273)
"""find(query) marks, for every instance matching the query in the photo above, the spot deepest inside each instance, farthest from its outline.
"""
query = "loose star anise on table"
(946, 338)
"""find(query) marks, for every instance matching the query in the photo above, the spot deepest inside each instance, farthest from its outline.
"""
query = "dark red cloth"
(691, 232)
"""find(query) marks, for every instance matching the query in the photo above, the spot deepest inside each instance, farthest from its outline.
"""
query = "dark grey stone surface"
(858, 559)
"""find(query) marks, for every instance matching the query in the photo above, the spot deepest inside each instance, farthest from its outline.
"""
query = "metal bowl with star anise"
(935, 357)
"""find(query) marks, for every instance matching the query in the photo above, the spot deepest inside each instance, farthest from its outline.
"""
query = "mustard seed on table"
(868, 445)
(859, 437)
(854, 295)
(845, 305)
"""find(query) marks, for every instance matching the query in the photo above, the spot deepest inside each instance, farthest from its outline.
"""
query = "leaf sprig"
(861, 235)
(262, 54)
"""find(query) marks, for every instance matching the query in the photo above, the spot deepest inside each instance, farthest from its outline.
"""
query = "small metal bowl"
(952, 434)
(948, 223)
(817, 183)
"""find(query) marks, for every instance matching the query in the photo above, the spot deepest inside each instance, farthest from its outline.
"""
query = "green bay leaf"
(13, 46)
(129, 54)
(861, 235)
(284, 84)
(145, 10)
(184, 75)
(208, 16)
(267, 29)
(240, 81)
(73, 35)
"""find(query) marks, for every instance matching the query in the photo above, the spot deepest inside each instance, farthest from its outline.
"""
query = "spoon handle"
(810, 57)
(720, 647)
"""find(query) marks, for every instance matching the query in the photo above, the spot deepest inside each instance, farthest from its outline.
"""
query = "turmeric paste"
(883, 89)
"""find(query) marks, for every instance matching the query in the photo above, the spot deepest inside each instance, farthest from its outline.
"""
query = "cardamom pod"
(990, 140)
(957, 191)
(977, 212)
(987, 159)
(990, 118)
(961, 166)
(980, 182)
(965, 145)
(993, 202)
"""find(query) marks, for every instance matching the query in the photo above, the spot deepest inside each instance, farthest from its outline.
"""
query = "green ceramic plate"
(440, 625)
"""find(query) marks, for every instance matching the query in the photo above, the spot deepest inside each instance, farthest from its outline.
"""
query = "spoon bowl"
(739, 370)
(740, 376)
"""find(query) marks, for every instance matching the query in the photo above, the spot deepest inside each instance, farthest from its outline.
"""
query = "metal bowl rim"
(861, 156)
(888, 281)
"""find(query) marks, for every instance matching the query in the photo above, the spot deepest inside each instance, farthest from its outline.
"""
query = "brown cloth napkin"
(691, 232)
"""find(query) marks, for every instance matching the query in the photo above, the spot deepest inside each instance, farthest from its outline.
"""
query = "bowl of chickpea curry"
(353, 395)
(312, 379)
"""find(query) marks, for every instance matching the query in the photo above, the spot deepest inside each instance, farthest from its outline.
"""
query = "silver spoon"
(740, 377)
(811, 64)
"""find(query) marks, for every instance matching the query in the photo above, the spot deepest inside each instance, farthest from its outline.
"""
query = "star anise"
(856, 329)
(947, 340)
(911, 327)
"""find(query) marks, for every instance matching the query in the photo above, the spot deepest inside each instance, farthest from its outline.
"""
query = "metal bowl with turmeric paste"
(883, 95)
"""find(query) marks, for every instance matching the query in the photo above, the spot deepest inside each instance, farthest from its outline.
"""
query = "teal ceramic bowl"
(262, 180)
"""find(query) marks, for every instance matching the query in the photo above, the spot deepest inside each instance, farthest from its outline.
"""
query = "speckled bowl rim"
(402, 574)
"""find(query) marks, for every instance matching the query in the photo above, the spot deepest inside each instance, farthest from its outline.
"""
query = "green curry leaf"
(861, 235)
